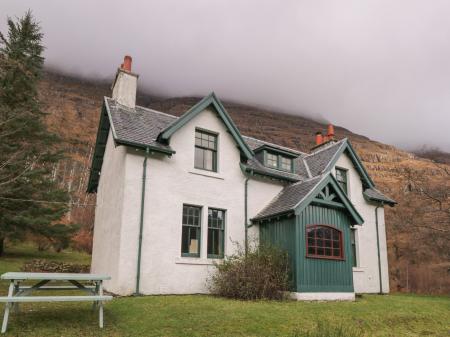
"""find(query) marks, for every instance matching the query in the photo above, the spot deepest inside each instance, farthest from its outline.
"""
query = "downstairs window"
(324, 242)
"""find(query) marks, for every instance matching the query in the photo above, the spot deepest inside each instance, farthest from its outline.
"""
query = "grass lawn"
(200, 315)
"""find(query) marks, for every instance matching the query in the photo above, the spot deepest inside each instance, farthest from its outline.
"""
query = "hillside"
(418, 256)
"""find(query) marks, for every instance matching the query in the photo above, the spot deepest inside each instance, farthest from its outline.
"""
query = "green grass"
(198, 315)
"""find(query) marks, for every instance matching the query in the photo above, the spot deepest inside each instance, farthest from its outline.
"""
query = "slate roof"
(375, 195)
(289, 197)
(139, 126)
(318, 161)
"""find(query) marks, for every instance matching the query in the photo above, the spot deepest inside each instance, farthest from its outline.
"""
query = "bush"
(325, 329)
(262, 274)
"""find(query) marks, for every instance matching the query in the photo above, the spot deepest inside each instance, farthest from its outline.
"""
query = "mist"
(380, 68)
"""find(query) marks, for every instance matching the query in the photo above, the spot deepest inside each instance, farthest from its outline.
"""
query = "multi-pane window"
(353, 241)
(272, 160)
(324, 242)
(286, 163)
(341, 177)
(205, 151)
(278, 161)
(216, 229)
(191, 232)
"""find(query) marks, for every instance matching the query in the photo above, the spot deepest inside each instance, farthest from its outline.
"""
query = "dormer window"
(205, 150)
(279, 162)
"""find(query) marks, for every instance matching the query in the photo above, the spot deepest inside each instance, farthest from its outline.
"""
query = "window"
(190, 237)
(353, 241)
(272, 160)
(279, 162)
(341, 177)
(205, 151)
(286, 164)
(216, 228)
(324, 242)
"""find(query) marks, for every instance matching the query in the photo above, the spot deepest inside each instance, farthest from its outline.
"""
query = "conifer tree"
(31, 202)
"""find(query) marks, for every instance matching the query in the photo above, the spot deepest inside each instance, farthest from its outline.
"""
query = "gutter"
(378, 248)
(141, 223)
(246, 215)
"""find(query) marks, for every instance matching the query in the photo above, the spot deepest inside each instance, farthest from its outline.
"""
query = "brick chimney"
(125, 84)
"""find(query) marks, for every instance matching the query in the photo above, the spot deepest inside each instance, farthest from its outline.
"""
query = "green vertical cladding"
(322, 275)
(281, 233)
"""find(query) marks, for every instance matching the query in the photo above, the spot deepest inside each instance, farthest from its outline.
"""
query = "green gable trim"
(348, 148)
(312, 197)
(210, 100)
(99, 150)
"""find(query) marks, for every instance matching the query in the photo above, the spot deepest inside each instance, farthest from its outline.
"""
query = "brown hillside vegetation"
(418, 228)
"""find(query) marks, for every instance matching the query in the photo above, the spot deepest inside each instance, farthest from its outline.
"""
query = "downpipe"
(141, 224)
(378, 248)
(246, 215)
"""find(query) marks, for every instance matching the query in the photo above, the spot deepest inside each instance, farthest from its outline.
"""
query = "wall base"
(323, 296)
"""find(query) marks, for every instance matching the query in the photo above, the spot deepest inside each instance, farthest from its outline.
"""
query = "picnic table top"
(54, 276)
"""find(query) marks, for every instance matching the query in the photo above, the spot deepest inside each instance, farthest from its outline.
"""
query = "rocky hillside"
(419, 256)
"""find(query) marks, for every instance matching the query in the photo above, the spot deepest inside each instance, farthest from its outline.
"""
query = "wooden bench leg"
(100, 303)
(7, 306)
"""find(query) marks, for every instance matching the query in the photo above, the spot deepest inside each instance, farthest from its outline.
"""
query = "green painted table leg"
(7, 306)
(100, 311)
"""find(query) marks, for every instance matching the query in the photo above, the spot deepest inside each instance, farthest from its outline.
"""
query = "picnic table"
(90, 284)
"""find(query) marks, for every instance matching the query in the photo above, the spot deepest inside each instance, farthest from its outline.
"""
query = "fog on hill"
(379, 68)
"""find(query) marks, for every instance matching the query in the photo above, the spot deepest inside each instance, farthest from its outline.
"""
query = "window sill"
(357, 269)
(206, 173)
(196, 261)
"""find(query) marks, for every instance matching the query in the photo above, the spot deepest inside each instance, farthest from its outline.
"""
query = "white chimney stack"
(125, 85)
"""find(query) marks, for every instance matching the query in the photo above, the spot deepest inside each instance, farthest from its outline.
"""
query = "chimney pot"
(126, 65)
(330, 133)
(319, 138)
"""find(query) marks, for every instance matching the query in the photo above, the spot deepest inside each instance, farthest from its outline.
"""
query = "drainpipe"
(378, 248)
(246, 215)
(141, 224)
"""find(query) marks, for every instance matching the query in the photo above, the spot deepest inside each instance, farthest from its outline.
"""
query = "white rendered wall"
(172, 182)
(108, 215)
(365, 275)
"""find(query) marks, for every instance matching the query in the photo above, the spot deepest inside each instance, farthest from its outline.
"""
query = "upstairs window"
(279, 162)
(324, 242)
(205, 150)
(341, 177)
(216, 229)
(272, 160)
(191, 232)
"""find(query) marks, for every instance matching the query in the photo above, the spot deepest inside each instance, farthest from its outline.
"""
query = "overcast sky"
(377, 67)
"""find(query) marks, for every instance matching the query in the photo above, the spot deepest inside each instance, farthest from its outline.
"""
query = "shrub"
(325, 329)
(261, 274)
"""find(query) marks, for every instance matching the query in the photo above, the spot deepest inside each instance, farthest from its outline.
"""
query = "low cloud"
(380, 68)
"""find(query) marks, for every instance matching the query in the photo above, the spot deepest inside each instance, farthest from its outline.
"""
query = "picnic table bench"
(19, 293)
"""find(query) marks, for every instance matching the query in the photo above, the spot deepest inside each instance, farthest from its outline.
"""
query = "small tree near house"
(31, 202)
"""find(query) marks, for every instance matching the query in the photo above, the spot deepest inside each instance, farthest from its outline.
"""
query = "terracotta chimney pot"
(126, 65)
(319, 138)
(330, 133)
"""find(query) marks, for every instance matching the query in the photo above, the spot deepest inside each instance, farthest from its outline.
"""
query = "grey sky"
(378, 67)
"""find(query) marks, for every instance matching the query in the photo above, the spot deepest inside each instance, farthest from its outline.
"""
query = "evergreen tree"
(31, 202)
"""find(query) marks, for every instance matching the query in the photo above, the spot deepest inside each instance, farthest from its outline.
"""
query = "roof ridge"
(142, 107)
(326, 148)
(270, 143)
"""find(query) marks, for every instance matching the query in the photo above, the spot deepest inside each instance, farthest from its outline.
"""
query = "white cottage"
(173, 194)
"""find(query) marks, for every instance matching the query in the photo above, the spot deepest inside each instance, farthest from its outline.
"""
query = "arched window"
(324, 242)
